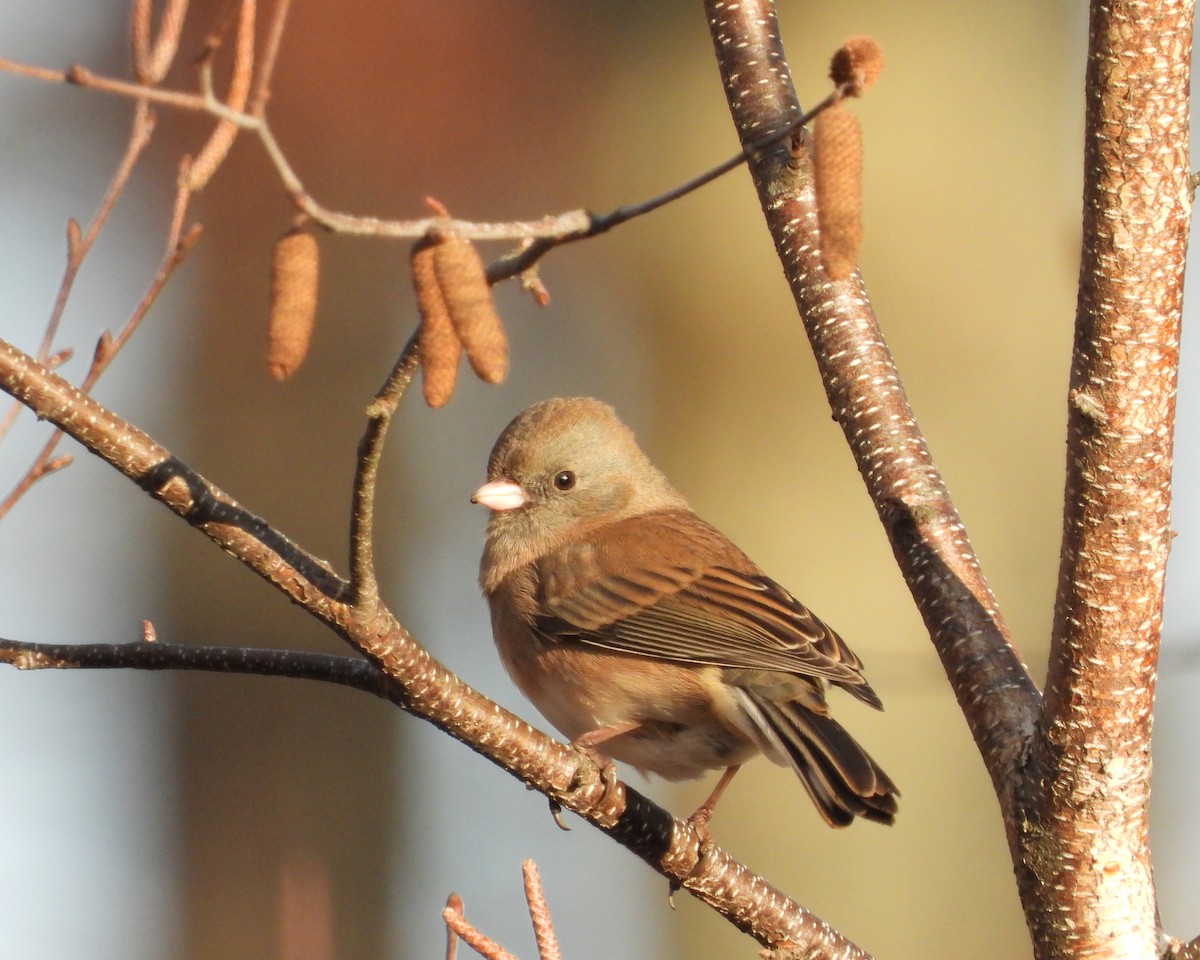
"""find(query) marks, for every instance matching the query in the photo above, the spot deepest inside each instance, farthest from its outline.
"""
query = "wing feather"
(677, 598)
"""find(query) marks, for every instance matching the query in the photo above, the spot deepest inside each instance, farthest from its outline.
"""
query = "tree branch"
(295, 664)
(416, 682)
(1089, 819)
(997, 696)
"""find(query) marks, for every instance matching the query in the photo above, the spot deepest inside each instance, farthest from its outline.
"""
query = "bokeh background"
(185, 816)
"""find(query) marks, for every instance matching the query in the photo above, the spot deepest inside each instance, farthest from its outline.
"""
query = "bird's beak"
(500, 495)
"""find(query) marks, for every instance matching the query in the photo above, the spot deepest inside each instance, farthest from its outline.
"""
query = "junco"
(643, 633)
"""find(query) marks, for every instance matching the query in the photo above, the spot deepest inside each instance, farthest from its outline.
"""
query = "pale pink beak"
(500, 495)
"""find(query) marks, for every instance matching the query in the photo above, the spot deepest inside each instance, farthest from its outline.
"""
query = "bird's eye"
(564, 480)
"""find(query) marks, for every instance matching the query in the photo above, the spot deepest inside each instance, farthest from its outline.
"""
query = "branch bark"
(864, 389)
(1089, 862)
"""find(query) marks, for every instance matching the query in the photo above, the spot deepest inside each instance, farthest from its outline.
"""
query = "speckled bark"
(868, 400)
(1088, 858)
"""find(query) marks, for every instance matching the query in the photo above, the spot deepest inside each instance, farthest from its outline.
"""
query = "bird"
(643, 634)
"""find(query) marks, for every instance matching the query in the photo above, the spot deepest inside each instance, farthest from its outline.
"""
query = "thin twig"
(108, 347)
(79, 245)
(266, 67)
(539, 913)
(363, 587)
(147, 654)
(139, 39)
(482, 944)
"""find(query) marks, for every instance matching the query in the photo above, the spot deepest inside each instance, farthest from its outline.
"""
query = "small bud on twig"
(56, 360)
(103, 346)
(295, 271)
(73, 237)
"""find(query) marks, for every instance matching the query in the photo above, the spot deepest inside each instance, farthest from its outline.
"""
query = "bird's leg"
(699, 820)
(588, 742)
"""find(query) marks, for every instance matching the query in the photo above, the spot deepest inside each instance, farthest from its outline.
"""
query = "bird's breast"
(580, 688)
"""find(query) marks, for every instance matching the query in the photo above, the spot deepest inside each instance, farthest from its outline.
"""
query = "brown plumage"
(641, 631)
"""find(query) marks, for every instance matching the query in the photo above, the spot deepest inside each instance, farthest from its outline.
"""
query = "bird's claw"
(556, 813)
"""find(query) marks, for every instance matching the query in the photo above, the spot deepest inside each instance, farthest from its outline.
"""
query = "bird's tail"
(840, 776)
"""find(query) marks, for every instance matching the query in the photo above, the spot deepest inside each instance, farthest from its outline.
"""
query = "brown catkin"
(437, 343)
(857, 63)
(295, 270)
(463, 282)
(837, 167)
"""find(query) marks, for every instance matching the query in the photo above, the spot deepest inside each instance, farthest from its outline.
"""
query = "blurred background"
(187, 816)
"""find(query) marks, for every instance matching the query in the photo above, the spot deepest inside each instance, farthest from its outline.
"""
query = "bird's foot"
(587, 744)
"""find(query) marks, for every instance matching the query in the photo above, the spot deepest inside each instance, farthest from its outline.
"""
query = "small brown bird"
(642, 632)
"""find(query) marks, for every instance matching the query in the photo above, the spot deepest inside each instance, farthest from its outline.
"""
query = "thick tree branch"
(417, 682)
(999, 700)
(1088, 823)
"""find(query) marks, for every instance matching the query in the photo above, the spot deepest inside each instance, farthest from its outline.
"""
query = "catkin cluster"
(457, 315)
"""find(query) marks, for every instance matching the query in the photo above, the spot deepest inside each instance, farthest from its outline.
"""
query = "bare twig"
(79, 245)
(364, 589)
(139, 38)
(539, 913)
(458, 926)
(108, 347)
(482, 944)
(149, 653)
(266, 68)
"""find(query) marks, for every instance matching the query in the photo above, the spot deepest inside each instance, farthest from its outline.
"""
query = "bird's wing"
(669, 586)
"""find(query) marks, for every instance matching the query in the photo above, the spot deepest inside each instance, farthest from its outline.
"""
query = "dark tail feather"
(840, 776)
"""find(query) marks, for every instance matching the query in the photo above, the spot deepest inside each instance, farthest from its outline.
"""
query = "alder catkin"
(437, 342)
(857, 63)
(837, 169)
(295, 271)
(463, 282)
